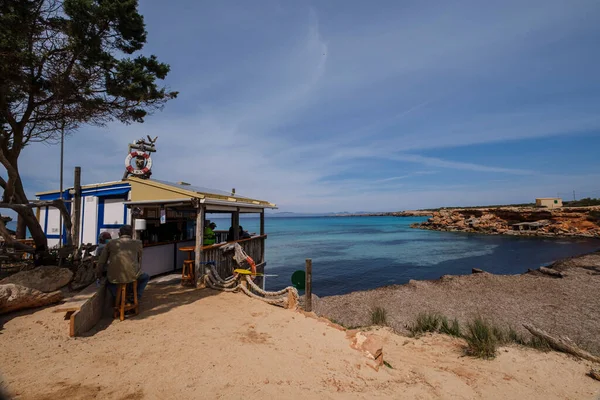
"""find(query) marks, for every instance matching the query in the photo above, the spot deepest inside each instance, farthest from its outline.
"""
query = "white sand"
(192, 344)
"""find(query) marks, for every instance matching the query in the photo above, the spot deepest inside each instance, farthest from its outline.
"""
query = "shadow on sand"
(160, 296)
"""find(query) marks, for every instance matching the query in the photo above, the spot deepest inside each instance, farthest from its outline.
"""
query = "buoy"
(135, 154)
(299, 279)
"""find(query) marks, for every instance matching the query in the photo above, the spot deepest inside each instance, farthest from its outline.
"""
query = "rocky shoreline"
(408, 213)
(518, 221)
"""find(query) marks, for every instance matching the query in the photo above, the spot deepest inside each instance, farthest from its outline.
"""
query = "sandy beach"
(190, 344)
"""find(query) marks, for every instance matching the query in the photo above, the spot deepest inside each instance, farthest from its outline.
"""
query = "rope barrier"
(271, 294)
(276, 302)
(216, 281)
(285, 298)
(214, 285)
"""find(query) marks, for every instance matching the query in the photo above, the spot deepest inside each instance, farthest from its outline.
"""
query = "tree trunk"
(8, 239)
(15, 193)
(21, 228)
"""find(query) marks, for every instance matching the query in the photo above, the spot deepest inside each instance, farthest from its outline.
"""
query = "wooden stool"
(187, 274)
(121, 304)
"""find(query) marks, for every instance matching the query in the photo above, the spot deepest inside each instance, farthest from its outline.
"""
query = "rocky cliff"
(574, 221)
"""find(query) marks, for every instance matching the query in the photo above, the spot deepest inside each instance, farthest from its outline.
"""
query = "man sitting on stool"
(123, 258)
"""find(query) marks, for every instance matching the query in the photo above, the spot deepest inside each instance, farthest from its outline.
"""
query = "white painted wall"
(52, 243)
(89, 219)
(42, 216)
(158, 259)
(53, 221)
(113, 212)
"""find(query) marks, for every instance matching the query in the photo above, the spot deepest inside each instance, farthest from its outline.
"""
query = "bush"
(514, 337)
(378, 316)
(482, 337)
(499, 334)
(452, 329)
(481, 341)
(594, 216)
(538, 344)
(425, 322)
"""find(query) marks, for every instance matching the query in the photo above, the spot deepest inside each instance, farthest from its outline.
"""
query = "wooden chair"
(121, 305)
(187, 274)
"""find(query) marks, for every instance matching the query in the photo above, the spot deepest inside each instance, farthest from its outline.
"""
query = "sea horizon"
(362, 253)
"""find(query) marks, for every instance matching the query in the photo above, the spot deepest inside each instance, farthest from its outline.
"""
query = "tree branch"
(59, 204)
(10, 240)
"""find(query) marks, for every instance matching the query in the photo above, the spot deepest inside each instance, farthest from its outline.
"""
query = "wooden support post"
(262, 232)
(21, 232)
(308, 286)
(199, 271)
(76, 207)
(236, 224)
(135, 232)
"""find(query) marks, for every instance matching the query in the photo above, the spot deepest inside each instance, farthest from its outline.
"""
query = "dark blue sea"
(359, 253)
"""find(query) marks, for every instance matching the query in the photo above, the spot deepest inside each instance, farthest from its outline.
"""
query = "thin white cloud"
(278, 122)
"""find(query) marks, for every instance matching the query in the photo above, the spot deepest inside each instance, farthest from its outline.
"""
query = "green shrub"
(425, 322)
(539, 344)
(594, 216)
(378, 316)
(481, 341)
(452, 329)
(499, 334)
(513, 337)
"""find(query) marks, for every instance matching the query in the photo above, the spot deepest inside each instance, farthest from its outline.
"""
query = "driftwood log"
(594, 374)
(477, 271)
(563, 344)
(15, 297)
(551, 272)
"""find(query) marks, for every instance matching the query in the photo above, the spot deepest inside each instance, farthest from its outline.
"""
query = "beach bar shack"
(169, 218)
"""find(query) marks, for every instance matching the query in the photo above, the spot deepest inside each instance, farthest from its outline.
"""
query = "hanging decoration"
(138, 162)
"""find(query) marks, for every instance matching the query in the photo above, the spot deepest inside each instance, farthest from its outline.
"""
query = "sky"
(331, 106)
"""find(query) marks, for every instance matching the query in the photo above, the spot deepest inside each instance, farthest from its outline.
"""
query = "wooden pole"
(199, 241)
(135, 232)
(21, 232)
(236, 224)
(262, 232)
(308, 286)
(76, 211)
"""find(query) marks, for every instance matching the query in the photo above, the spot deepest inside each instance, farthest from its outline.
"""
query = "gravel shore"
(563, 306)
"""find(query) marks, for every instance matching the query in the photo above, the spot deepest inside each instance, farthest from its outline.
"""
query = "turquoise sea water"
(359, 253)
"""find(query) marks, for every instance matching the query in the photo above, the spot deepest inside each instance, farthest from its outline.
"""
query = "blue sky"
(377, 106)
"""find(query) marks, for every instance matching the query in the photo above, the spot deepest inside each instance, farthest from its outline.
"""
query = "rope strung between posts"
(287, 298)
(283, 302)
(281, 292)
(213, 284)
(229, 282)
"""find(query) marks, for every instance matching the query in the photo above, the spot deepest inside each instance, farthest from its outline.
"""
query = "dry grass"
(425, 322)
(378, 316)
(566, 307)
(482, 336)
(452, 329)
(482, 339)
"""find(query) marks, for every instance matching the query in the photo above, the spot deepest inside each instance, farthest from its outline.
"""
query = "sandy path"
(190, 344)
